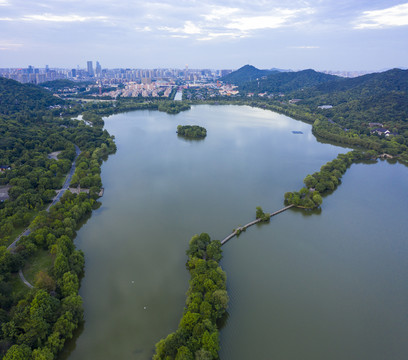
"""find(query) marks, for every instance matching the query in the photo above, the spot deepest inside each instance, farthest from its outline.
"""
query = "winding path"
(20, 273)
(238, 230)
(57, 198)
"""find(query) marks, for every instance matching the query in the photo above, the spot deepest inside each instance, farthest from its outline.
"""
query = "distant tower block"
(90, 68)
(186, 73)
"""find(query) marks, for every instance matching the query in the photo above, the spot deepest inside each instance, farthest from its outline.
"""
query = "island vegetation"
(192, 131)
(197, 336)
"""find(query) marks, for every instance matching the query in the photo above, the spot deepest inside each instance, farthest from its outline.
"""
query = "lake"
(331, 285)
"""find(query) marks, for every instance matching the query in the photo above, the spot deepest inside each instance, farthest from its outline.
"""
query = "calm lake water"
(324, 286)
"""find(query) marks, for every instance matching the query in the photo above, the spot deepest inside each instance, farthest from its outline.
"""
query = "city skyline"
(364, 35)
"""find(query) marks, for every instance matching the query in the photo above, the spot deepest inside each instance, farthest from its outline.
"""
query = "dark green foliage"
(192, 131)
(15, 97)
(283, 82)
(172, 107)
(207, 300)
(245, 74)
(265, 217)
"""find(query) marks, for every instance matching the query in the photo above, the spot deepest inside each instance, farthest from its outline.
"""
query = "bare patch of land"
(4, 192)
(54, 155)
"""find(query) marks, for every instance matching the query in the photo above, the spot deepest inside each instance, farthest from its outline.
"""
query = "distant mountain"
(15, 97)
(391, 80)
(245, 74)
(284, 82)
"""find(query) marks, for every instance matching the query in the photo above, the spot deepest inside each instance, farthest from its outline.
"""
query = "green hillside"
(245, 74)
(16, 97)
(283, 82)
(379, 97)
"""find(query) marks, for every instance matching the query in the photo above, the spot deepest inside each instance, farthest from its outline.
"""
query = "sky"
(319, 34)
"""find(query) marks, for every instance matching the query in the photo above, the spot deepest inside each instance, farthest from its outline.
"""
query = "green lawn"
(19, 288)
(39, 261)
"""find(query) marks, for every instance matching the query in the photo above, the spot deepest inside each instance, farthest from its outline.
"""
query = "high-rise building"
(98, 69)
(90, 68)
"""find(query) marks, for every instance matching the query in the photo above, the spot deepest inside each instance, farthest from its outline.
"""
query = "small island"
(192, 131)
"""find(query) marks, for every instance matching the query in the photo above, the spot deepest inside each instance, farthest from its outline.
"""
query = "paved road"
(20, 272)
(57, 198)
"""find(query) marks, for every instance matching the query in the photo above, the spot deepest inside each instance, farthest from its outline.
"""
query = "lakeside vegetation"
(35, 323)
(197, 336)
(192, 131)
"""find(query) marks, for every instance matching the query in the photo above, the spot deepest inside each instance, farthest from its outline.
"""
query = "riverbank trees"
(197, 336)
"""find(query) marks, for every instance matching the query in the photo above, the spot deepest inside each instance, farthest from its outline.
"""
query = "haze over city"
(329, 35)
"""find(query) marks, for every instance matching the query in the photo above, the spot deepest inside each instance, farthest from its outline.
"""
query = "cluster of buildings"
(133, 89)
(111, 76)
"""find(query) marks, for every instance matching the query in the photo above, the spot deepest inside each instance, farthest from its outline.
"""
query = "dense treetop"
(191, 131)
(15, 97)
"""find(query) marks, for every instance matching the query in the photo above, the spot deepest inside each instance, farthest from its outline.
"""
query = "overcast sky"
(223, 34)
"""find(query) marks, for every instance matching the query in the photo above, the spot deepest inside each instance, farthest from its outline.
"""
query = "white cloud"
(63, 18)
(4, 3)
(220, 22)
(230, 35)
(5, 45)
(279, 18)
(219, 13)
(189, 29)
(145, 28)
(378, 19)
(305, 47)
(6, 19)
(256, 23)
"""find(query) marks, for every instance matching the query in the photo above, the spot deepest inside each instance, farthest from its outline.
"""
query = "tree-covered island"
(192, 131)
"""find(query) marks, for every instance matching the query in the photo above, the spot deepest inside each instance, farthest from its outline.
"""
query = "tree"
(183, 353)
(310, 181)
(44, 281)
(69, 284)
(18, 352)
(42, 354)
(317, 199)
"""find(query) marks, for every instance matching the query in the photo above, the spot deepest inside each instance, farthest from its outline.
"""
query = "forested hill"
(379, 97)
(245, 74)
(16, 97)
(395, 80)
(284, 82)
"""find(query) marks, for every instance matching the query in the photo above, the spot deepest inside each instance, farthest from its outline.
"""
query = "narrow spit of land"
(242, 228)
